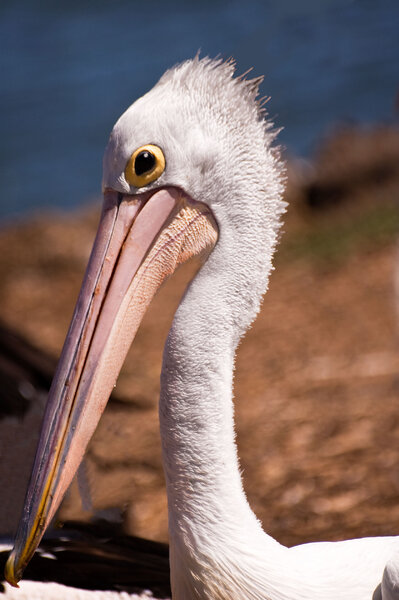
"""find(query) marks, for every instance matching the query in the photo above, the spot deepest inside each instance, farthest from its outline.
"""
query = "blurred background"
(69, 69)
(317, 377)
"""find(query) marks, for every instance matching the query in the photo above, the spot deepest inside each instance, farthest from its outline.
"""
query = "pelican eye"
(145, 161)
(145, 165)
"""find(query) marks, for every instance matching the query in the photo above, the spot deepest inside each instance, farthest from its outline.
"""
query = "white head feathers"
(217, 146)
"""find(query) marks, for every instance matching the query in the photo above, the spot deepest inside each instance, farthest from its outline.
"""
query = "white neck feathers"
(210, 521)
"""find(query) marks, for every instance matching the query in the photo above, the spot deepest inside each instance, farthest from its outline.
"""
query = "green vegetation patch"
(335, 241)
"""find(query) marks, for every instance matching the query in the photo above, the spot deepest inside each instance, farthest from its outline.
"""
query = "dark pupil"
(145, 161)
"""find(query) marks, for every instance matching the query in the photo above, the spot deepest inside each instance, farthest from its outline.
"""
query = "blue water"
(69, 68)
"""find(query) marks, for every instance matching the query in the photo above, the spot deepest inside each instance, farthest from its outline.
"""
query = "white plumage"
(218, 151)
(36, 590)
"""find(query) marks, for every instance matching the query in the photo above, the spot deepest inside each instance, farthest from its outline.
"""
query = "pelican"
(190, 169)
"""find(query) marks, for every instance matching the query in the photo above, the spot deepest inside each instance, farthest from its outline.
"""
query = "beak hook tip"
(10, 573)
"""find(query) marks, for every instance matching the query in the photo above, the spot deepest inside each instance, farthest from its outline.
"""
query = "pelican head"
(188, 170)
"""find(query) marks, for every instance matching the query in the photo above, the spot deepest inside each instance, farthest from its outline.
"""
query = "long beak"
(140, 241)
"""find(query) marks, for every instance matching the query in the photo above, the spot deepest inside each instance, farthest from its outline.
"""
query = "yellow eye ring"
(145, 165)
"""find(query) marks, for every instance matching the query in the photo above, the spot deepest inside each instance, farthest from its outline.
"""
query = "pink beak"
(140, 241)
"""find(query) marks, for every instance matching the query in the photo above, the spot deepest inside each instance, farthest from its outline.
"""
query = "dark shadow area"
(25, 371)
(98, 556)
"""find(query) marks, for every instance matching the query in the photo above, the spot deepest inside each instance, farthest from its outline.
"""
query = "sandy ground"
(316, 392)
